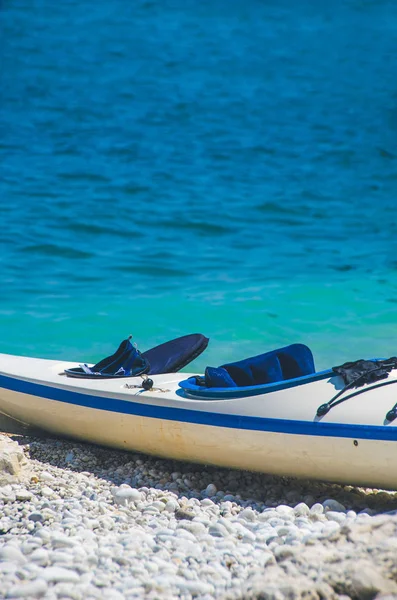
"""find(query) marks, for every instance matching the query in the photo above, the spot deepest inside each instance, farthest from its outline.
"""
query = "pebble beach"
(83, 522)
(177, 167)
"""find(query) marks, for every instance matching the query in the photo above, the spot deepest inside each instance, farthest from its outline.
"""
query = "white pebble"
(301, 509)
(61, 541)
(285, 511)
(267, 514)
(125, 494)
(43, 534)
(40, 556)
(195, 587)
(338, 517)
(59, 574)
(171, 506)
(9, 552)
(23, 495)
(218, 530)
(112, 594)
(207, 502)
(32, 589)
(195, 527)
(290, 530)
(317, 509)
(248, 514)
(46, 476)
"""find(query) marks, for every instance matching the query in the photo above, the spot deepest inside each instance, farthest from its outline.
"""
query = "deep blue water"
(223, 167)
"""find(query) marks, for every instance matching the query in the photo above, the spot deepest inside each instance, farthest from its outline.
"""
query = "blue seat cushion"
(285, 363)
(264, 368)
(218, 377)
(296, 361)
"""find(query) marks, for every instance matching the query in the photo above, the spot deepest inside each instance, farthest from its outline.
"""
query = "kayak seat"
(296, 360)
(128, 361)
(282, 364)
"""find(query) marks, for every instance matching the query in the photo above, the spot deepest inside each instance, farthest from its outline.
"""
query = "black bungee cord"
(325, 408)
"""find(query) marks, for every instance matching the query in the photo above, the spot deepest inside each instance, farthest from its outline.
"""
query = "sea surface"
(170, 167)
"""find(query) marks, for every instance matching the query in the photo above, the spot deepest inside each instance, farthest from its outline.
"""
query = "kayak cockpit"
(279, 369)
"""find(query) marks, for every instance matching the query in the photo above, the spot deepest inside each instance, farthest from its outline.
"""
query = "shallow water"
(228, 168)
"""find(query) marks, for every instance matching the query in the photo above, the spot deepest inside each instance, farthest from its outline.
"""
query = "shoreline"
(95, 523)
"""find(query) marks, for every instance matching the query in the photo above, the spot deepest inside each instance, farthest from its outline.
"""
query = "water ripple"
(212, 168)
(53, 250)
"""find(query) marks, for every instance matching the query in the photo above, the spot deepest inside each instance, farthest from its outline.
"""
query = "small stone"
(5, 525)
(229, 498)
(171, 506)
(36, 517)
(40, 557)
(184, 514)
(8, 568)
(301, 510)
(367, 581)
(195, 588)
(9, 552)
(283, 552)
(248, 514)
(23, 495)
(158, 505)
(125, 494)
(43, 534)
(60, 574)
(31, 589)
(333, 505)
(63, 541)
(266, 515)
(285, 511)
(46, 476)
(210, 490)
(287, 530)
(195, 527)
(338, 517)
(218, 530)
(112, 594)
(69, 457)
(317, 509)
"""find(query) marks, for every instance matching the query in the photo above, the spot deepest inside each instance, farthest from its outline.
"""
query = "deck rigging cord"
(380, 371)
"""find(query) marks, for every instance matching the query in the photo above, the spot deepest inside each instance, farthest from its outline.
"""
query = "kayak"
(310, 425)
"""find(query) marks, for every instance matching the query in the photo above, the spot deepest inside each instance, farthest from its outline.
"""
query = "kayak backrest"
(264, 368)
(285, 363)
(296, 360)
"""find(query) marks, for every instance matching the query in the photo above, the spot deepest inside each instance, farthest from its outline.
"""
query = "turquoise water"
(222, 167)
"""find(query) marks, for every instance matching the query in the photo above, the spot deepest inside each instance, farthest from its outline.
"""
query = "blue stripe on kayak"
(341, 430)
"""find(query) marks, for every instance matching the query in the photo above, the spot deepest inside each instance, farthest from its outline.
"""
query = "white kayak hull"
(275, 432)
